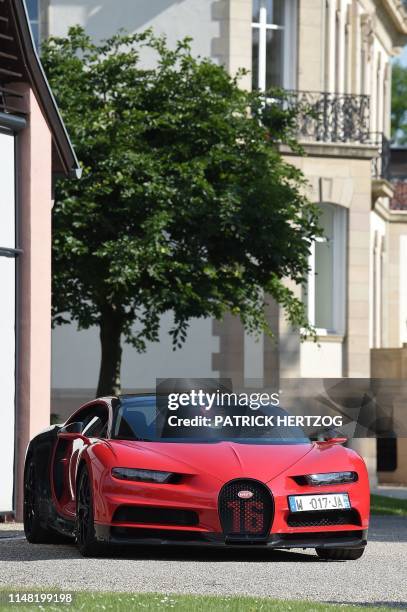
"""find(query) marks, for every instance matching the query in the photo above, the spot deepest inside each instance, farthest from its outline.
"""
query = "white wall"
(76, 357)
(174, 18)
(321, 360)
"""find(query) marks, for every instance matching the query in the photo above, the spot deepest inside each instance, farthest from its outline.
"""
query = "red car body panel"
(207, 467)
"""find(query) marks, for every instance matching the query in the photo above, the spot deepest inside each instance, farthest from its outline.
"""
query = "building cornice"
(333, 149)
(391, 216)
(327, 338)
(381, 188)
(397, 13)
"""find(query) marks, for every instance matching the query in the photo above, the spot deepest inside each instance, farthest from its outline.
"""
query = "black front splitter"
(132, 536)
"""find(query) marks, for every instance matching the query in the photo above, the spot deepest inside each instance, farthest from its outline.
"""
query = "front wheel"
(340, 554)
(85, 526)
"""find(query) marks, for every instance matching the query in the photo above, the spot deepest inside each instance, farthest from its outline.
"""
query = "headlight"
(331, 478)
(141, 475)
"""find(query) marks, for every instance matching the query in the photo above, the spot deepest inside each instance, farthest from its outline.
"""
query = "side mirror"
(329, 441)
(72, 431)
(331, 436)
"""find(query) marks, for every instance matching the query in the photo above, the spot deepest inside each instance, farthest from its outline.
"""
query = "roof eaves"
(45, 97)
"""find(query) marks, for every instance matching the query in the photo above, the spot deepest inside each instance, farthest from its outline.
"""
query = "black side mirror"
(327, 434)
(72, 428)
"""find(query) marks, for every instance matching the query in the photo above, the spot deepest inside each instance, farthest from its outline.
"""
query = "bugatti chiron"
(108, 476)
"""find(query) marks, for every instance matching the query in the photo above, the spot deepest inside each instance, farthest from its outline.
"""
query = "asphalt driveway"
(379, 577)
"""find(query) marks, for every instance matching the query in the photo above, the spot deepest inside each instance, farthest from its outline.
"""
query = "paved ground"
(378, 578)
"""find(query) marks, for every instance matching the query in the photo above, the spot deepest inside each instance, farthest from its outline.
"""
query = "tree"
(398, 103)
(185, 204)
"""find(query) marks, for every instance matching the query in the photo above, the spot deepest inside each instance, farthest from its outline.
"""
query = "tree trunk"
(111, 326)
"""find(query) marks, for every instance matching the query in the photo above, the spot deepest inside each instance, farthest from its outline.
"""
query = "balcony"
(381, 163)
(326, 117)
(381, 168)
(343, 120)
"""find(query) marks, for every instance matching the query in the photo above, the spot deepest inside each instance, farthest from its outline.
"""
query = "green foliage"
(185, 202)
(398, 103)
(380, 504)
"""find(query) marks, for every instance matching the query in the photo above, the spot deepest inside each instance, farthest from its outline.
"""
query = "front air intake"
(150, 514)
(246, 510)
(323, 519)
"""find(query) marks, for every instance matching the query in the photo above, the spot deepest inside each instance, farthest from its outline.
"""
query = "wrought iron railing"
(328, 117)
(381, 163)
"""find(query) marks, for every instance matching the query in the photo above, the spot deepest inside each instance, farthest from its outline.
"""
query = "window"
(97, 426)
(8, 256)
(338, 51)
(348, 51)
(273, 44)
(33, 9)
(324, 294)
(94, 419)
(386, 449)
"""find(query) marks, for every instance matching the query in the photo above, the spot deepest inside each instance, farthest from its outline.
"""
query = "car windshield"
(143, 418)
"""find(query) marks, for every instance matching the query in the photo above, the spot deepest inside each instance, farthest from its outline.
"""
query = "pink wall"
(34, 180)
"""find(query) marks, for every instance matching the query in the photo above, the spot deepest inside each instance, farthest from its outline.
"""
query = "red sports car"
(107, 477)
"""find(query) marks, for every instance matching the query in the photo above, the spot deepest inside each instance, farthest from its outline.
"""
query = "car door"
(95, 428)
(94, 423)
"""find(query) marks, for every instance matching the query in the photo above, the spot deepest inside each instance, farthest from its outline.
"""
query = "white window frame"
(339, 279)
(8, 358)
(289, 43)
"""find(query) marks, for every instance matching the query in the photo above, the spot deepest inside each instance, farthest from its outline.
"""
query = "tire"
(33, 529)
(85, 528)
(340, 554)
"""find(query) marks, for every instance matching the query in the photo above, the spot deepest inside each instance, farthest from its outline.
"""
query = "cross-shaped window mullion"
(268, 26)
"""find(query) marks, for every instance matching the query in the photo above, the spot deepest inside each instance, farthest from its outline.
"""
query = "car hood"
(222, 460)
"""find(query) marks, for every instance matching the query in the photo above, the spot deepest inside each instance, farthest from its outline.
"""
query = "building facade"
(33, 147)
(389, 313)
(332, 55)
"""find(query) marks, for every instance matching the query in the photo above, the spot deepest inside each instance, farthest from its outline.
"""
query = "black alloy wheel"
(85, 527)
(30, 510)
(34, 530)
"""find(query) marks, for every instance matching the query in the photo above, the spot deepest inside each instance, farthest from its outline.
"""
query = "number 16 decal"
(247, 516)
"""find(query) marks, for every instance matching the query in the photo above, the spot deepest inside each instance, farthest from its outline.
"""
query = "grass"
(178, 603)
(379, 504)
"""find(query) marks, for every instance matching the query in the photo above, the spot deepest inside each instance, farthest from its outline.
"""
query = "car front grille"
(154, 515)
(249, 515)
(323, 519)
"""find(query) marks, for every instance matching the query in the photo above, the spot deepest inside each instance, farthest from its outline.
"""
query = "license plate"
(307, 503)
